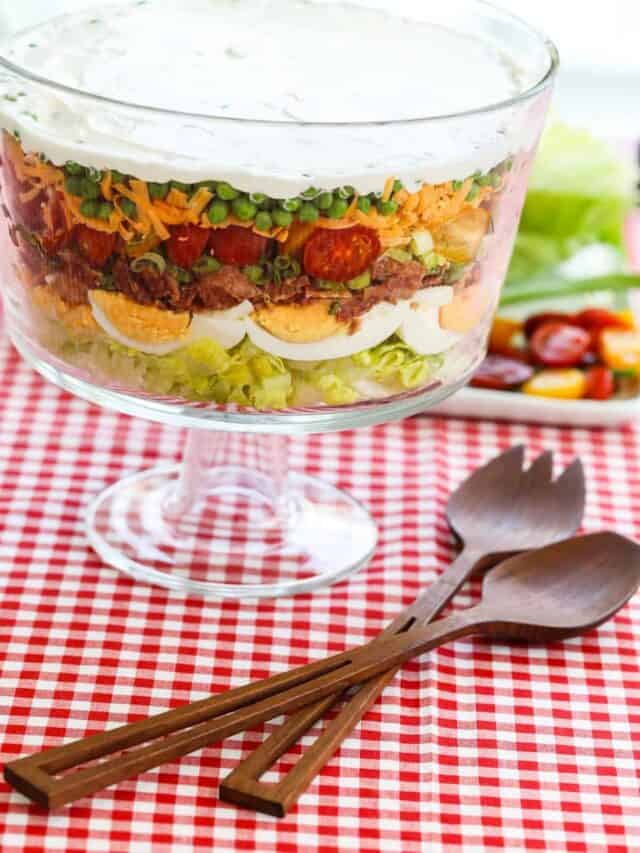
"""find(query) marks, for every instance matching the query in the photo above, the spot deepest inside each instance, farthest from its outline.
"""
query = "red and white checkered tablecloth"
(478, 748)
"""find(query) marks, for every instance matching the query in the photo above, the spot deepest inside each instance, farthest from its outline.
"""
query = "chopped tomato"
(516, 353)
(600, 383)
(503, 332)
(537, 320)
(501, 374)
(596, 319)
(237, 245)
(186, 244)
(459, 238)
(96, 246)
(556, 344)
(340, 255)
(560, 384)
(620, 349)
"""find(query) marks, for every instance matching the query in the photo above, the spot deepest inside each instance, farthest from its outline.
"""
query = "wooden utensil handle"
(32, 775)
(243, 787)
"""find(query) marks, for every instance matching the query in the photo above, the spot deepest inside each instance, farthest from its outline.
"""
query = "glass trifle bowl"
(296, 218)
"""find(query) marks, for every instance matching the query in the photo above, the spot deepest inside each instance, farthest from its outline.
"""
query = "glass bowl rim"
(544, 82)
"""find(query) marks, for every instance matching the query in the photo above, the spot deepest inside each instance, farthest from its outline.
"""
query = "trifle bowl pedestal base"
(231, 522)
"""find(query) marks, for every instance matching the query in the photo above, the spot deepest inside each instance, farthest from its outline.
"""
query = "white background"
(599, 44)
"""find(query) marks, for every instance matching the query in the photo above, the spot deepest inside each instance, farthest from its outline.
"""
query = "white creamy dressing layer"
(271, 63)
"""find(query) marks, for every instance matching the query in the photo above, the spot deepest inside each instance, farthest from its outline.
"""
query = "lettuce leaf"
(579, 194)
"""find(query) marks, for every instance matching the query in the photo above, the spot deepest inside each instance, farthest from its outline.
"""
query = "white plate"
(514, 406)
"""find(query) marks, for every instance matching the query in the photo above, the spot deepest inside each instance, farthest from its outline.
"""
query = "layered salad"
(222, 286)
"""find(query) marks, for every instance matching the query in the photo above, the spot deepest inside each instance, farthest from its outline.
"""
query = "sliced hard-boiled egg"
(299, 324)
(466, 310)
(421, 328)
(78, 318)
(373, 327)
(142, 327)
(158, 332)
(227, 327)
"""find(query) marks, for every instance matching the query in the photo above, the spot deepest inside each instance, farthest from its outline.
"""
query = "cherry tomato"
(600, 383)
(96, 246)
(503, 331)
(546, 317)
(340, 254)
(556, 344)
(237, 245)
(509, 351)
(186, 244)
(501, 374)
(596, 319)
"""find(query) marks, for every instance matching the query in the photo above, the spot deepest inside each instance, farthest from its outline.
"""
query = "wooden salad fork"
(499, 510)
(539, 596)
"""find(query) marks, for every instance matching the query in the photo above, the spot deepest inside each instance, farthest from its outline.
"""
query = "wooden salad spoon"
(541, 596)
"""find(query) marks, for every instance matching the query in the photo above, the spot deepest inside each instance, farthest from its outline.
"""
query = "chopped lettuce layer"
(248, 376)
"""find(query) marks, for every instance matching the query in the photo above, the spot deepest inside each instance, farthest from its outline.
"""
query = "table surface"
(476, 748)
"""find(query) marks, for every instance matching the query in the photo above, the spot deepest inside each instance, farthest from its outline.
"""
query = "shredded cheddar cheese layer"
(428, 207)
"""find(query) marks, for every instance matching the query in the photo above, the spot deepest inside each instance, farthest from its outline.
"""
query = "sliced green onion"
(295, 268)
(361, 281)
(345, 192)
(555, 287)
(327, 284)
(149, 258)
(253, 273)
(282, 263)
(118, 177)
(181, 275)
(257, 198)
(94, 175)
(205, 264)
(364, 204)
(310, 193)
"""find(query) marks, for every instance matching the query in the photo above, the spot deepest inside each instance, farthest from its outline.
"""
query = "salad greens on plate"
(580, 192)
